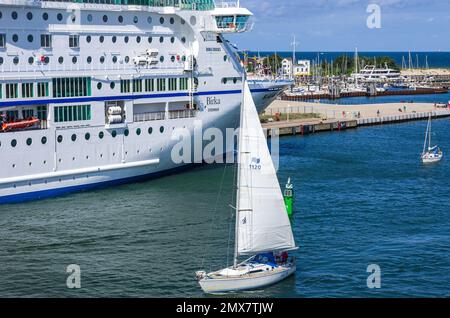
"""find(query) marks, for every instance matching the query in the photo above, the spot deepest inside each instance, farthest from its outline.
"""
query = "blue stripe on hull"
(44, 194)
(127, 97)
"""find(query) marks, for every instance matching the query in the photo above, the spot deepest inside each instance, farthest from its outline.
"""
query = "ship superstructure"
(91, 90)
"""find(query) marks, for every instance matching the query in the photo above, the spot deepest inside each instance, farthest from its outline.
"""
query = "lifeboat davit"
(20, 124)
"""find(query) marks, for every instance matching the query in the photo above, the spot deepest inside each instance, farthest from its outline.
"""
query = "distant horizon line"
(344, 51)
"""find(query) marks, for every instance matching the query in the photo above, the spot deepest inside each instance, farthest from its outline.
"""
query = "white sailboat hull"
(431, 158)
(245, 283)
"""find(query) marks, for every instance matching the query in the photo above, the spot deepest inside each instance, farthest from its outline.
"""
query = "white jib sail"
(263, 224)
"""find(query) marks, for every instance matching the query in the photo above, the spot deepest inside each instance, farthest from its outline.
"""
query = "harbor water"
(362, 198)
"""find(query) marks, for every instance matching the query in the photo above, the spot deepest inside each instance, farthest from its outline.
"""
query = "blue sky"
(340, 25)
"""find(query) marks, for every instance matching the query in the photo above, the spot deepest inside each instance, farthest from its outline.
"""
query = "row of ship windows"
(90, 18)
(81, 87)
(115, 59)
(74, 40)
(87, 136)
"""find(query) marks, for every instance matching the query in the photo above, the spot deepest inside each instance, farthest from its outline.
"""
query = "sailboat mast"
(236, 234)
(426, 137)
(429, 135)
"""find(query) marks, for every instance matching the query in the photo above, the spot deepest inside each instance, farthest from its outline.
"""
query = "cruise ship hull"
(137, 168)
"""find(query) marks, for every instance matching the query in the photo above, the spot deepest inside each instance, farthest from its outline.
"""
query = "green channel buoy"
(289, 198)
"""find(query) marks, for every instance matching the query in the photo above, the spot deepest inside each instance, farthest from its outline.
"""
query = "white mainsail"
(262, 222)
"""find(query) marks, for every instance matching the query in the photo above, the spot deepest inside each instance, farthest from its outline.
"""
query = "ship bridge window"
(225, 22)
(125, 86)
(172, 84)
(161, 84)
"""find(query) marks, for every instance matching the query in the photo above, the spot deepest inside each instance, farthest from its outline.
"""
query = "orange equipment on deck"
(20, 124)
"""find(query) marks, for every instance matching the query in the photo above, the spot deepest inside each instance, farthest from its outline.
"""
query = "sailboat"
(430, 154)
(262, 230)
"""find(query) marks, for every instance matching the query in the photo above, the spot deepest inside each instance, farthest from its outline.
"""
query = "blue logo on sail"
(255, 164)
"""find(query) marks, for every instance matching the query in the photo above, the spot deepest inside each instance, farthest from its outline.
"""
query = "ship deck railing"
(175, 114)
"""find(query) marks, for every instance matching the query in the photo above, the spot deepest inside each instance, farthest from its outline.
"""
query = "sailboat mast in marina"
(262, 230)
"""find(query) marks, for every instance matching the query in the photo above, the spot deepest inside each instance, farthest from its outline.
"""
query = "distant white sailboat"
(262, 226)
(430, 154)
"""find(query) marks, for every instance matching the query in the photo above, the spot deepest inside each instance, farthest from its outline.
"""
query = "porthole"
(172, 58)
(126, 39)
(161, 129)
(127, 59)
(224, 80)
(126, 132)
(102, 59)
(150, 39)
(15, 38)
(114, 59)
(46, 60)
(161, 39)
(105, 18)
(101, 39)
(44, 140)
(161, 20)
(87, 136)
(150, 130)
(138, 39)
(1, 60)
(114, 134)
(193, 20)
(114, 39)
(74, 60)
(101, 135)
(60, 139)
(59, 16)
(235, 80)
(16, 60)
(161, 59)
(172, 20)
(172, 40)
(30, 16)
(88, 39)
(74, 137)
(149, 20)
(183, 40)
(73, 18)
(135, 19)
(29, 141)
(89, 17)
(14, 15)
(112, 85)
(225, 58)
(30, 38)
(120, 19)
(45, 16)
(89, 59)
(183, 21)
(138, 131)
(13, 143)
(99, 86)
(30, 60)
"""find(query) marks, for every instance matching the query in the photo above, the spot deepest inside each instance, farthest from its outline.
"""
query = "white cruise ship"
(91, 90)
(371, 73)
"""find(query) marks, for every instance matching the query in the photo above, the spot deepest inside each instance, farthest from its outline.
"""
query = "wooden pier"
(307, 127)
(419, 91)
